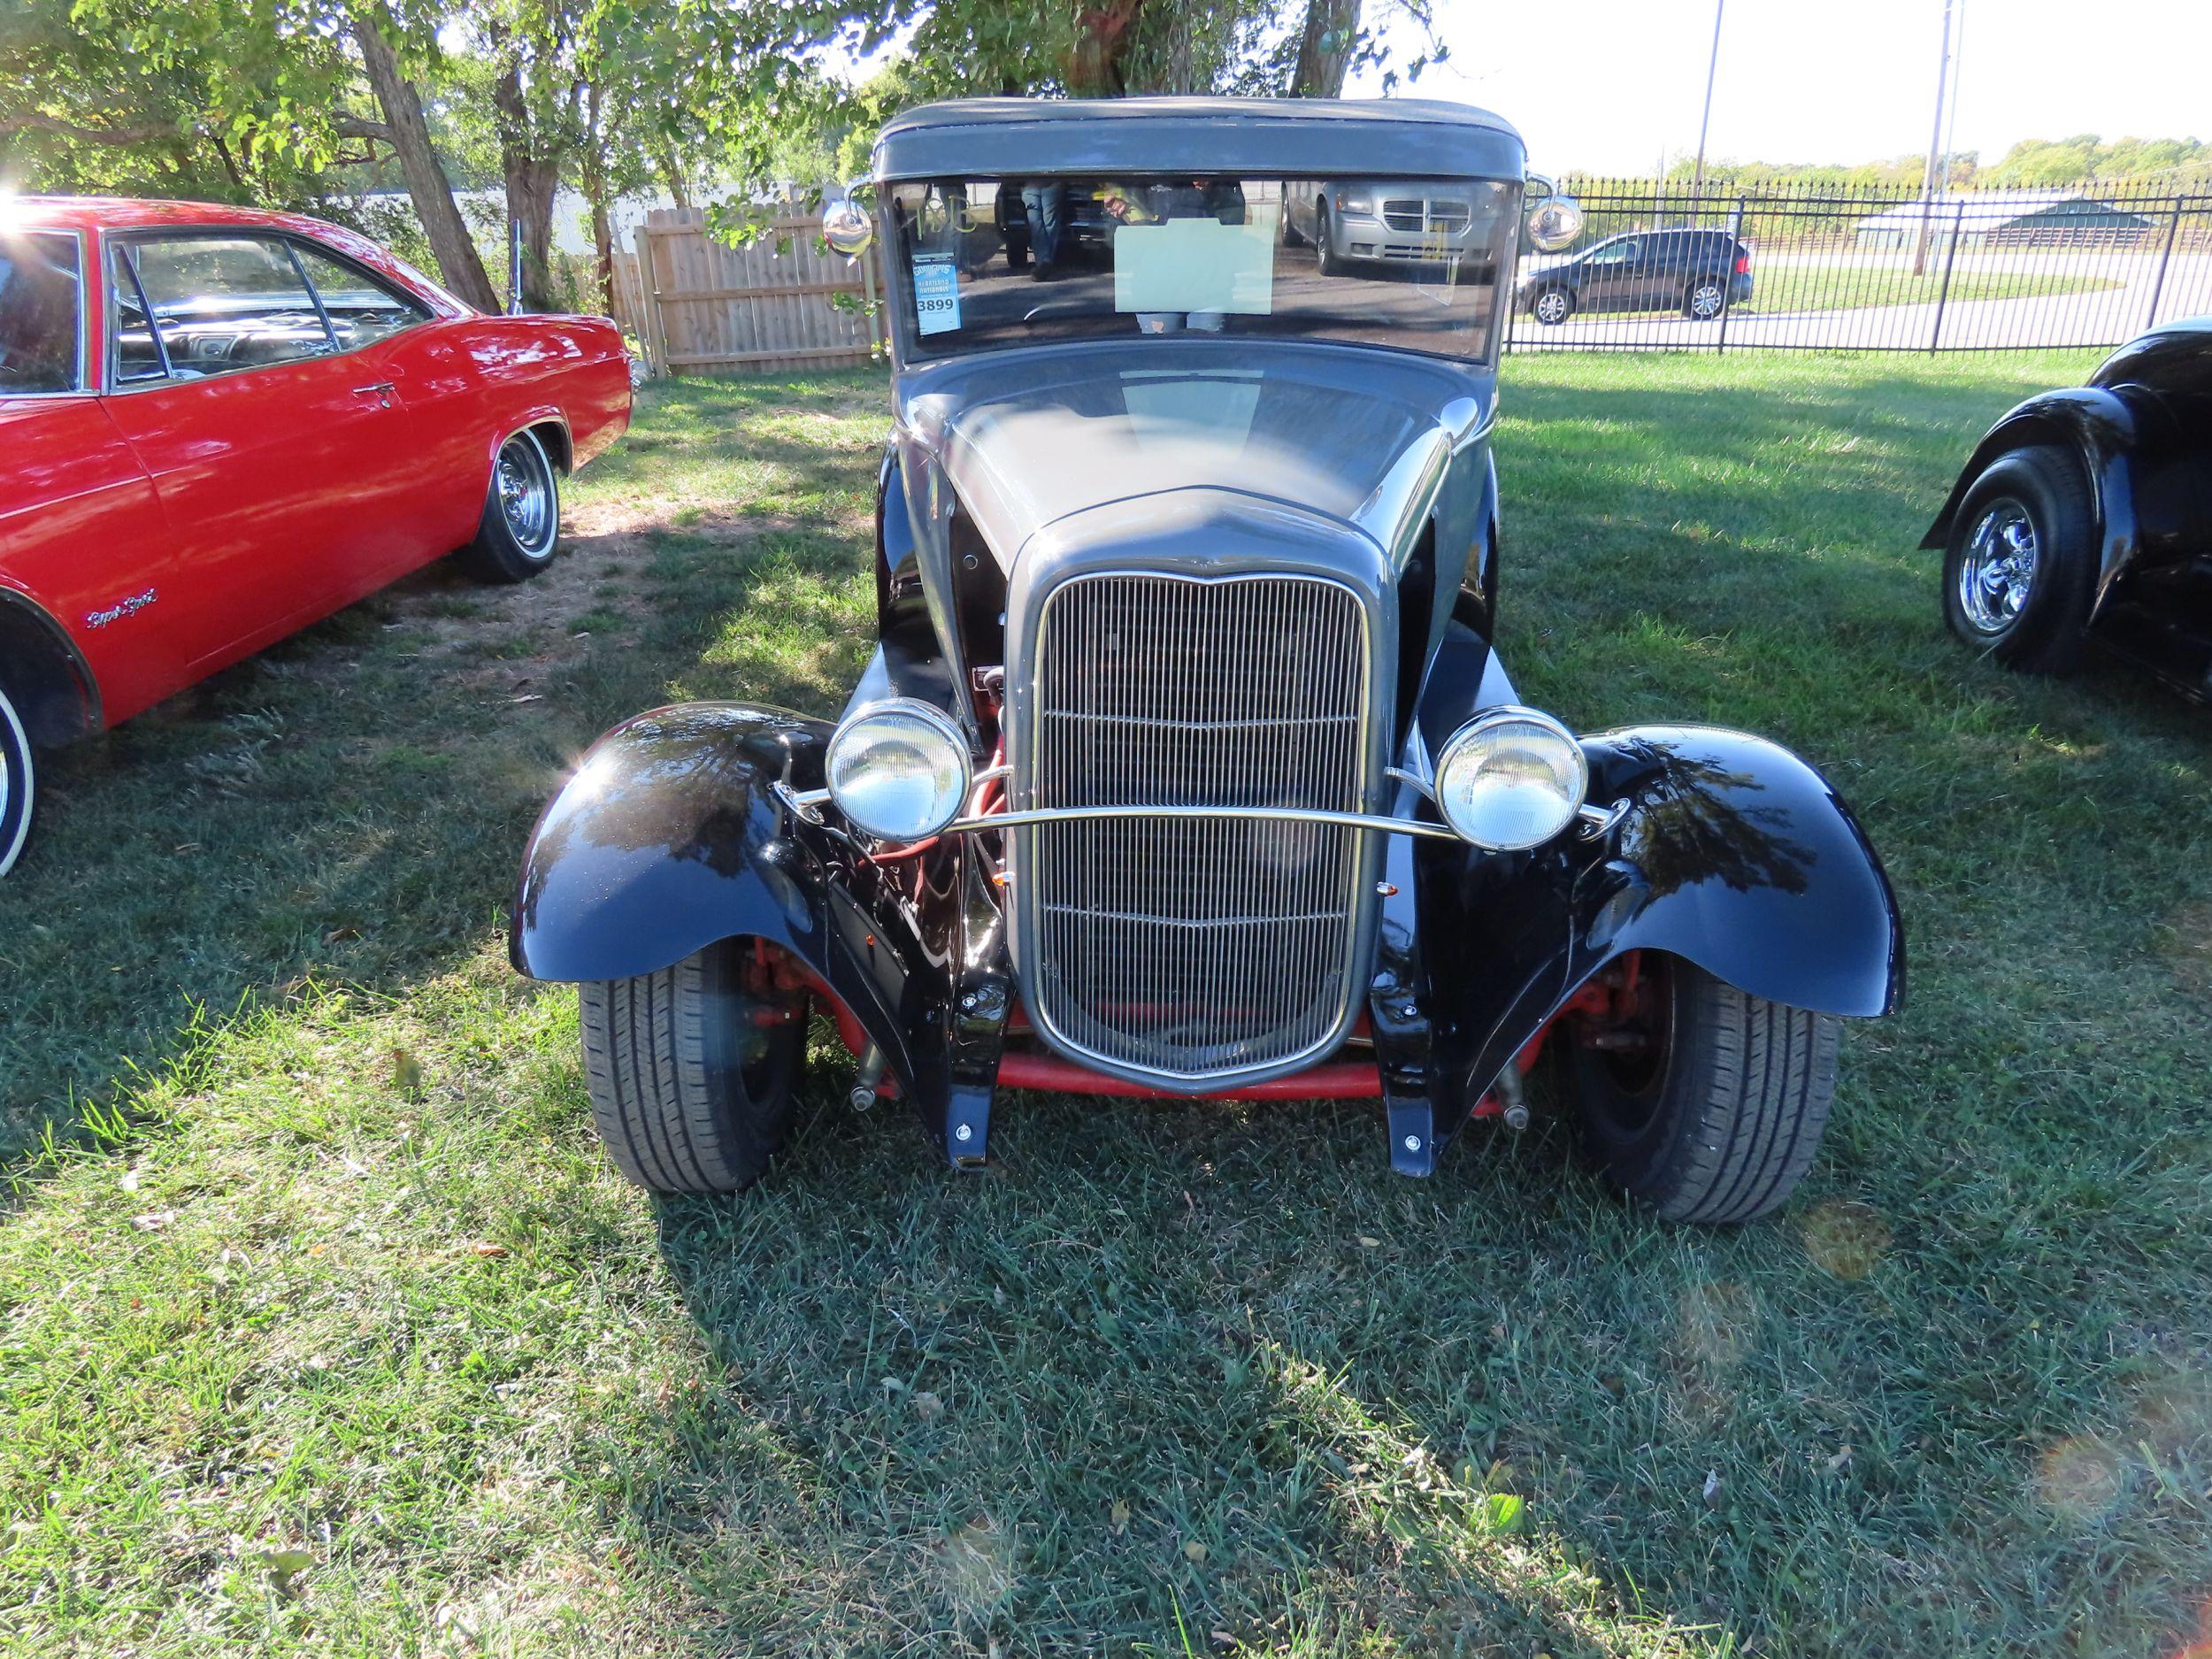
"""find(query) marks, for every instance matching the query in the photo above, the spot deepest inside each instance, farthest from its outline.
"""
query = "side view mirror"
(1554, 217)
(847, 226)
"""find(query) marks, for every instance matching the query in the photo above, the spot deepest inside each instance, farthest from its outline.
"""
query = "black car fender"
(2094, 424)
(1722, 849)
(672, 835)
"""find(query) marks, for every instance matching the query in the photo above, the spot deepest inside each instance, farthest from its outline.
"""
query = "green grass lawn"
(1844, 285)
(325, 1329)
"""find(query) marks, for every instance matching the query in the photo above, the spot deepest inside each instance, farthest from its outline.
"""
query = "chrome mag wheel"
(1706, 301)
(1551, 307)
(1997, 575)
(527, 497)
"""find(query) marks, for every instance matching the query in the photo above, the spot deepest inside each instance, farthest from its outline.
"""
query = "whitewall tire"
(18, 784)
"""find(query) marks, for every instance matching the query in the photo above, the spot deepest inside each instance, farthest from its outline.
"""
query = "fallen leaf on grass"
(485, 1247)
(406, 1072)
(928, 1407)
(154, 1221)
(1367, 1244)
(1118, 1515)
(1712, 1488)
(1195, 1551)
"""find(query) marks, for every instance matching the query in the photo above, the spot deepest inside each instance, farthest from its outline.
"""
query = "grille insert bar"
(1196, 948)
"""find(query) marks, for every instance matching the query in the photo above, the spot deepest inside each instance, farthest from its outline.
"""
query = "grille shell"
(1196, 953)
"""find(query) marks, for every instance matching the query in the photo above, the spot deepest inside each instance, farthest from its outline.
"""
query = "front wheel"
(2020, 567)
(692, 1078)
(18, 784)
(521, 524)
(1707, 1103)
(1552, 307)
(1327, 259)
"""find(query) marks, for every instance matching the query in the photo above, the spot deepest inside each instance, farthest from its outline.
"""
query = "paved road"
(2103, 318)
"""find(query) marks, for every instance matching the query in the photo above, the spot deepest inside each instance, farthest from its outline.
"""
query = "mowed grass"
(1847, 285)
(328, 1329)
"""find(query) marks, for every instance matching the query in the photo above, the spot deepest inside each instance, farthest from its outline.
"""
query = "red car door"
(280, 459)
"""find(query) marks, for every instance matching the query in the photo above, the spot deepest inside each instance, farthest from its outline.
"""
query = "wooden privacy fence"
(699, 306)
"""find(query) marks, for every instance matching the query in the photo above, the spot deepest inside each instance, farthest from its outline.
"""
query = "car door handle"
(381, 391)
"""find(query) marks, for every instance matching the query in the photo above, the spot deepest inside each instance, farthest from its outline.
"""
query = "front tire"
(1552, 307)
(521, 526)
(1327, 260)
(18, 784)
(692, 1078)
(1715, 1115)
(2020, 567)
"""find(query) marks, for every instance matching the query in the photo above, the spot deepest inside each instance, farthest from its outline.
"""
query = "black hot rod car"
(1185, 765)
(2084, 518)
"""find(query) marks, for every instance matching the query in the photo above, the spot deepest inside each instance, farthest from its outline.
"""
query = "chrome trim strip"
(1293, 815)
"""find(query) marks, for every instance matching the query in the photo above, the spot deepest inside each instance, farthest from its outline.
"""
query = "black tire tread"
(667, 1095)
(1742, 1110)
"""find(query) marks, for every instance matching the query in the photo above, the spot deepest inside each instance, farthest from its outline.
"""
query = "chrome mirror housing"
(847, 226)
(1554, 217)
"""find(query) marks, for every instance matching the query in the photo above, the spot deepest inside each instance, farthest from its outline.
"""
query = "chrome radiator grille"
(1193, 949)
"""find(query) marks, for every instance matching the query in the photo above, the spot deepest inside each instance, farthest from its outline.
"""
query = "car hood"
(1028, 439)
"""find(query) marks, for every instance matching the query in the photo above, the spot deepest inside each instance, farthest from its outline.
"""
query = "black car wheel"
(1291, 236)
(1708, 1104)
(1705, 301)
(692, 1078)
(18, 784)
(1331, 262)
(1552, 307)
(2020, 568)
(521, 526)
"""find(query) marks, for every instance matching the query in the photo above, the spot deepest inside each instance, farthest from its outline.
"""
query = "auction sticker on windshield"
(936, 292)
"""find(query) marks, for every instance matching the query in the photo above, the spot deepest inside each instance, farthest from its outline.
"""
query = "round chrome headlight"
(1510, 779)
(899, 770)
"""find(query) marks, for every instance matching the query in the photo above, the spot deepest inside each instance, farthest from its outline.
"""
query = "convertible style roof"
(1262, 137)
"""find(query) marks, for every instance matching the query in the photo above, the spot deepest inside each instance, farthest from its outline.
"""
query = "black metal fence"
(1660, 267)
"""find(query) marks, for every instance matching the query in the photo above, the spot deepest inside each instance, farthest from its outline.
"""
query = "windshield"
(982, 264)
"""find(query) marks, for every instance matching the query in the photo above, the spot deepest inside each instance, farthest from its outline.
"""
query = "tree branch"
(359, 127)
(89, 135)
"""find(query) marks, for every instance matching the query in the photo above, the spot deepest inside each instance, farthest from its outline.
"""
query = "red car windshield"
(982, 264)
(40, 305)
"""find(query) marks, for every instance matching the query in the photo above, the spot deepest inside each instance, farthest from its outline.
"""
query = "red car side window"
(221, 303)
(362, 310)
(41, 314)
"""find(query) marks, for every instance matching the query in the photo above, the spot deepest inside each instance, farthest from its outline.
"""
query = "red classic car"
(218, 426)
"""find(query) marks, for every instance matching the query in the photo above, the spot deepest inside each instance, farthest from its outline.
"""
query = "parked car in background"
(1185, 764)
(1699, 272)
(2084, 518)
(218, 426)
(1386, 221)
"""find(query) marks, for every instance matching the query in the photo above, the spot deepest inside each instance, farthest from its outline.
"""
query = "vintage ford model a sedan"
(1185, 765)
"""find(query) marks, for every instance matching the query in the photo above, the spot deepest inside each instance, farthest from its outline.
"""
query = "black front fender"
(670, 837)
(1729, 851)
(2097, 426)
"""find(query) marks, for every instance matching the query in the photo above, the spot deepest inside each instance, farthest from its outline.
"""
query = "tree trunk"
(531, 181)
(1325, 51)
(595, 194)
(450, 244)
(673, 175)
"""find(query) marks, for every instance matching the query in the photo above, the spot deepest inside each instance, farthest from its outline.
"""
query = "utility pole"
(1958, 79)
(1712, 64)
(1935, 144)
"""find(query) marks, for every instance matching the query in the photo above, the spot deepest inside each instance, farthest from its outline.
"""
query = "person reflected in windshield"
(1151, 203)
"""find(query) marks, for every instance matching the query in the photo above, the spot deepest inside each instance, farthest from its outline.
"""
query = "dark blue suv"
(1700, 271)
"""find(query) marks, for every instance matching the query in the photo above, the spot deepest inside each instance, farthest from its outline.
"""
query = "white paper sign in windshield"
(1194, 264)
(936, 292)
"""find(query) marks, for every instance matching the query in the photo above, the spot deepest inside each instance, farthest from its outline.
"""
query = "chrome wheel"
(1551, 307)
(1997, 575)
(17, 785)
(528, 500)
(1706, 300)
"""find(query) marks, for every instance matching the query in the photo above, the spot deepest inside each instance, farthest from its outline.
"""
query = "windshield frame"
(910, 349)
